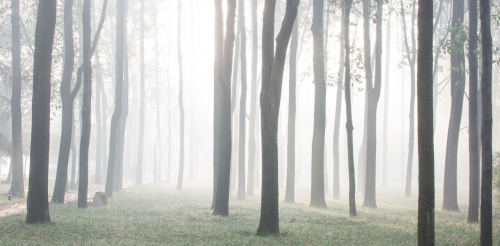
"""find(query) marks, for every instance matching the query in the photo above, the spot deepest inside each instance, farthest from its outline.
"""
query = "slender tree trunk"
(318, 144)
(243, 101)
(86, 107)
(218, 79)
(474, 191)
(487, 121)
(352, 183)
(253, 105)
(386, 98)
(181, 102)
(38, 205)
(272, 79)
(292, 108)
(17, 186)
(221, 206)
(426, 196)
(98, 78)
(457, 97)
(338, 109)
(234, 121)
(373, 98)
(115, 119)
(159, 146)
(142, 111)
(72, 184)
(169, 123)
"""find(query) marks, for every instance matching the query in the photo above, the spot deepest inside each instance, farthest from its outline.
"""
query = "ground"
(157, 214)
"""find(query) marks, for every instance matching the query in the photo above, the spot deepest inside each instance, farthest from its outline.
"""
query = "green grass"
(159, 215)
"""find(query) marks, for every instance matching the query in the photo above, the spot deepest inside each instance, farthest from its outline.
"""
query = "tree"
(318, 144)
(292, 108)
(346, 11)
(410, 54)
(373, 98)
(243, 99)
(181, 100)
(473, 213)
(487, 121)
(426, 201)
(386, 98)
(115, 119)
(158, 145)
(457, 97)
(86, 107)
(17, 186)
(37, 204)
(253, 105)
(221, 206)
(142, 110)
(272, 79)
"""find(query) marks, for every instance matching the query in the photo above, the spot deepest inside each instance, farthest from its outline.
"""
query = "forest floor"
(157, 214)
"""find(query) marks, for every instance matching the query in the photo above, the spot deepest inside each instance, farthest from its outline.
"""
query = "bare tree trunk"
(386, 98)
(243, 98)
(338, 109)
(253, 105)
(159, 147)
(181, 102)
(38, 205)
(142, 110)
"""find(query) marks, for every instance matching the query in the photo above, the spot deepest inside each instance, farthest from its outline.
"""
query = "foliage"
(159, 215)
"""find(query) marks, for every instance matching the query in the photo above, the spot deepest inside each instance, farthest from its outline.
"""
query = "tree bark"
(38, 205)
(142, 111)
(386, 98)
(17, 185)
(426, 196)
(272, 79)
(115, 119)
(292, 109)
(318, 143)
(487, 121)
(86, 107)
(253, 105)
(457, 97)
(474, 191)
(181, 102)
(338, 109)
(159, 146)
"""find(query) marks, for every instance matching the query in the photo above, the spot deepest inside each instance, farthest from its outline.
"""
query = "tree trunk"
(221, 205)
(86, 107)
(373, 98)
(487, 121)
(318, 144)
(253, 105)
(457, 97)
(181, 102)
(17, 185)
(243, 101)
(169, 123)
(159, 148)
(234, 122)
(115, 119)
(386, 99)
(98, 78)
(292, 108)
(349, 126)
(38, 205)
(426, 199)
(142, 111)
(272, 79)
(474, 191)
(72, 184)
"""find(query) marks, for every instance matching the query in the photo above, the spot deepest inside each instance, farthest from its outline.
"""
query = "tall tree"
(349, 127)
(181, 100)
(386, 98)
(115, 119)
(272, 79)
(411, 57)
(292, 108)
(338, 109)
(457, 97)
(318, 143)
(37, 204)
(218, 78)
(243, 100)
(142, 106)
(17, 186)
(253, 105)
(158, 145)
(221, 206)
(426, 200)
(487, 121)
(86, 107)
(373, 98)
(473, 213)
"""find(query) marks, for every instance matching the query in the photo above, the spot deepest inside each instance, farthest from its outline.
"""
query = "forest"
(249, 122)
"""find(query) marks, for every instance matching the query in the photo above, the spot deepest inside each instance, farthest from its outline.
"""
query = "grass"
(156, 214)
